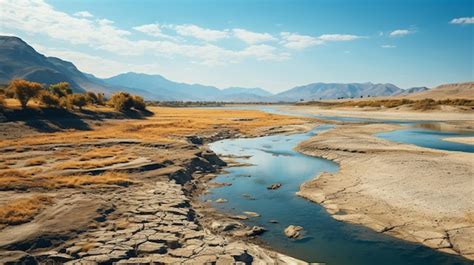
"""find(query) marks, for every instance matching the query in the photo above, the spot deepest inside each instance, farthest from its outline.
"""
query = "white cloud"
(35, 17)
(338, 37)
(462, 20)
(197, 32)
(252, 37)
(401, 32)
(297, 41)
(387, 46)
(83, 14)
(153, 30)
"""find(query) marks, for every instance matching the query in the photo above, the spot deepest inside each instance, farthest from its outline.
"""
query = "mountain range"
(20, 60)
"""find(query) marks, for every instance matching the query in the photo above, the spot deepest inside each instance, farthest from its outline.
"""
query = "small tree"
(138, 103)
(24, 90)
(61, 89)
(91, 98)
(78, 100)
(48, 99)
(121, 101)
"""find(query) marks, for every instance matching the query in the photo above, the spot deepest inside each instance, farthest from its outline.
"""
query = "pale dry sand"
(417, 194)
(462, 140)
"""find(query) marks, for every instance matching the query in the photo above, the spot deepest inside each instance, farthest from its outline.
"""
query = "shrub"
(60, 89)
(48, 99)
(24, 90)
(121, 101)
(78, 100)
(91, 98)
(138, 103)
(100, 99)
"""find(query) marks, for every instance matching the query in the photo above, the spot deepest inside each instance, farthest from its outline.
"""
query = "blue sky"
(271, 44)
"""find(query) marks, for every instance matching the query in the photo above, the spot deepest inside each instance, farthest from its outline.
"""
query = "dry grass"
(23, 210)
(35, 162)
(22, 180)
(166, 125)
(108, 178)
(421, 104)
(105, 152)
(93, 164)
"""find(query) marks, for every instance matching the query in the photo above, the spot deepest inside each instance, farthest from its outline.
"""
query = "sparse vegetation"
(78, 100)
(22, 180)
(23, 210)
(61, 89)
(123, 102)
(49, 99)
(422, 104)
(24, 90)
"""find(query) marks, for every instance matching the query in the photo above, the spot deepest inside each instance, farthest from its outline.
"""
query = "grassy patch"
(23, 210)
(21, 180)
(421, 104)
(93, 164)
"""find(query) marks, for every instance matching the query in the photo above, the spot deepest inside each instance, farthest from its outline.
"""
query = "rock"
(256, 230)
(60, 258)
(221, 200)
(224, 226)
(274, 186)
(252, 214)
(16, 257)
(171, 240)
(293, 231)
(239, 217)
(152, 247)
(73, 250)
(273, 221)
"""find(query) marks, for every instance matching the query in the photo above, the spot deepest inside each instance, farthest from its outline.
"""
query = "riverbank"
(121, 190)
(413, 193)
(462, 140)
(387, 114)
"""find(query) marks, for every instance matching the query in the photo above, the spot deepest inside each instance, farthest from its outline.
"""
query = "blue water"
(326, 240)
(428, 138)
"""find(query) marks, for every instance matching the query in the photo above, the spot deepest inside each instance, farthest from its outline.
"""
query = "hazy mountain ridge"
(20, 60)
(317, 91)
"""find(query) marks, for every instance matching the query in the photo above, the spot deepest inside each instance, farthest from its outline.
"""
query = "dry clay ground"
(121, 189)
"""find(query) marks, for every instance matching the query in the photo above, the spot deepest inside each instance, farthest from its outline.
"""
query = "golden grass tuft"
(107, 178)
(21, 180)
(98, 153)
(23, 210)
(93, 164)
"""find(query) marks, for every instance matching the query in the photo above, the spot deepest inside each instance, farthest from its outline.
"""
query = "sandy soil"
(388, 114)
(413, 193)
(462, 140)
